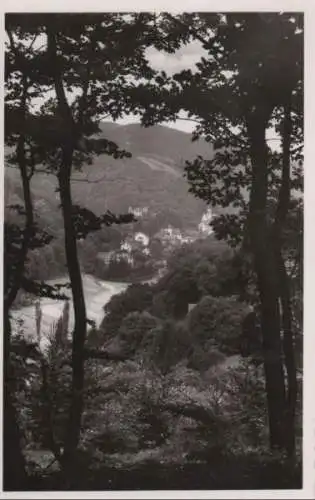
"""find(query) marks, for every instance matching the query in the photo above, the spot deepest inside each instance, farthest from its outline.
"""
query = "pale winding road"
(97, 294)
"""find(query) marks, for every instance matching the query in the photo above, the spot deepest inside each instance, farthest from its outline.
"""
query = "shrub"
(218, 319)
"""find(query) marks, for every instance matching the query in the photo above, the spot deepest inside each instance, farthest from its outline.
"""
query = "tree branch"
(32, 43)
(207, 44)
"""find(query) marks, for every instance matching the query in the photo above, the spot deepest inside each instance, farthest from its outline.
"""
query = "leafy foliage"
(137, 297)
(236, 94)
(218, 320)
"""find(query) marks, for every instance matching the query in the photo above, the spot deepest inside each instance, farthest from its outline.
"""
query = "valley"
(97, 294)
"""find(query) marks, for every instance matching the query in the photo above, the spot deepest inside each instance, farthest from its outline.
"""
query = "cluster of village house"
(169, 237)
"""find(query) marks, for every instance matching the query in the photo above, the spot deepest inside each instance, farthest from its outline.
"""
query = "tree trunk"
(266, 271)
(284, 285)
(289, 357)
(14, 473)
(14, 276)
(79, 332)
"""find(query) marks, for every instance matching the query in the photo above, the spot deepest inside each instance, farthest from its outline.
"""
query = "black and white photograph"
(153, 250)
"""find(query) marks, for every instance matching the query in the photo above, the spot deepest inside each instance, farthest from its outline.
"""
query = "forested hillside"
(152, 178)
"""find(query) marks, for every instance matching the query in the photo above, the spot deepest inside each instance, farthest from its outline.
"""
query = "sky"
(184, 58)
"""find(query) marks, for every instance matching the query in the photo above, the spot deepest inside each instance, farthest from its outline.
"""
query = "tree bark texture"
(284, 285)
(14, 472)
(80, 323)
(267, 279)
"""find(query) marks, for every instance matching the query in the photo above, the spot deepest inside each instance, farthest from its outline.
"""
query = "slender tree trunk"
(284, 285)
(14, 276)
(289, 357)
(79, 333)
(266, 270)
(14, 473)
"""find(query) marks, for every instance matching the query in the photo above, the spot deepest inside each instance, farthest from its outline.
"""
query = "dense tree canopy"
(238, 91)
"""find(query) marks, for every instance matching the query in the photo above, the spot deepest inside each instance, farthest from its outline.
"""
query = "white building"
(204, 226)
(138, 211)
(142, 238)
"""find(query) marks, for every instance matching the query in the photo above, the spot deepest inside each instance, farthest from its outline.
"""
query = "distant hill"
(152, 178)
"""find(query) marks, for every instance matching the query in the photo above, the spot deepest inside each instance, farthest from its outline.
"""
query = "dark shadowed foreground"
(224, 475)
